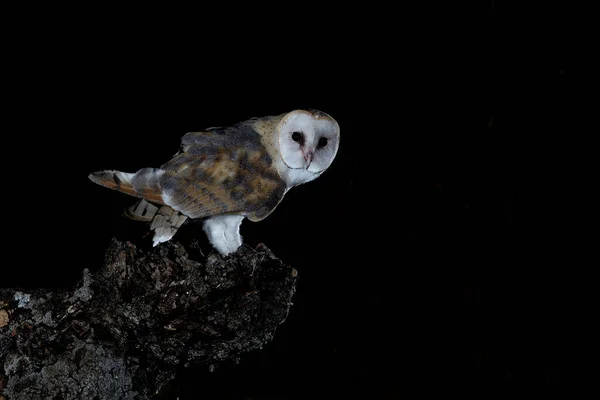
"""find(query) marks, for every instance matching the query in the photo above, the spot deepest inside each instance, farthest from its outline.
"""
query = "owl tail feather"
(143, 183)
(164, 220)
(141, 210)
(165, 224)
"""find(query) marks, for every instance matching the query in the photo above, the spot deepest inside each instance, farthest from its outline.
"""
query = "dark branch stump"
(125, 329)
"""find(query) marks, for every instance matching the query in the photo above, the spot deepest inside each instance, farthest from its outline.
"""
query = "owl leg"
(223, 232)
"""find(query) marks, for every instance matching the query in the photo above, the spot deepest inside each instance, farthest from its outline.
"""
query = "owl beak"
(308, 157)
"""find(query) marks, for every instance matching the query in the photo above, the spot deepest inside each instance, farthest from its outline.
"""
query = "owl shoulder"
(219, 139)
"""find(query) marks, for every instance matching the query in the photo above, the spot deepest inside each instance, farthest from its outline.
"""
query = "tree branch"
(122, 332)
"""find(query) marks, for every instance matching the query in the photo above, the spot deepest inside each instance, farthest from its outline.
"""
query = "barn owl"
(224, 175)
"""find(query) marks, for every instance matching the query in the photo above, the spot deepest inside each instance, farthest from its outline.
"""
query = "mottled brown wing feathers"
(220, 172)
(143, 183)
(146, 182)
(113, 180)
(224, 170)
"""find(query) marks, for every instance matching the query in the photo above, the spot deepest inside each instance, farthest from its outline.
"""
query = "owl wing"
(221, 171)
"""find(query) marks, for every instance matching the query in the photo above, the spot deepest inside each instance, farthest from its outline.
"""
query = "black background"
(405, 247)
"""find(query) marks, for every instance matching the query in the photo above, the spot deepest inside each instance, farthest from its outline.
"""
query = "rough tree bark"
(122, 332)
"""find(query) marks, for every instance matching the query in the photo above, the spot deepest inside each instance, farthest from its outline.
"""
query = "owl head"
(308, 140)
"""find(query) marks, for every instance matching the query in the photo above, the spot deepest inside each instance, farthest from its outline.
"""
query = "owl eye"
(298, 137)
(322, 142)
